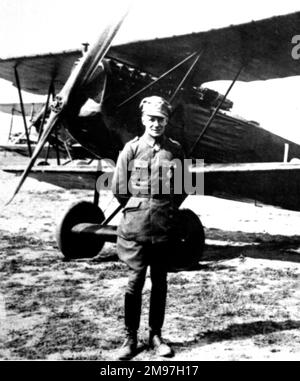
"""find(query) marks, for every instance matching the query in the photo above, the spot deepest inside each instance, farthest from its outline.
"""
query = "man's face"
(154, 125)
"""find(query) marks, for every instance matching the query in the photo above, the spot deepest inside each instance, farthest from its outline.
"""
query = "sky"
(42, 26)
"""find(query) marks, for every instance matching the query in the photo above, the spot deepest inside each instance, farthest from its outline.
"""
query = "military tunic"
(143, 183)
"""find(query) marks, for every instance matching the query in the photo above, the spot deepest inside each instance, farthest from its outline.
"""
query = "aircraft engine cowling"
(93, 133)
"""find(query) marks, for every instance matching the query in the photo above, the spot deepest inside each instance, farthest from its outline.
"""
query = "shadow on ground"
(254, 245)
(239, 331)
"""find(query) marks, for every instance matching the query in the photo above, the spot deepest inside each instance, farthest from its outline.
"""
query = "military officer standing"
(143, 184)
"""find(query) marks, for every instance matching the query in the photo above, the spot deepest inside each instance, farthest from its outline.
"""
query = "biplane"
(16, 142)
(97, 96)
(60, 145)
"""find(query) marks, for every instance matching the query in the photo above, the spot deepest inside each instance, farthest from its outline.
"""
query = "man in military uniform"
(143, 184)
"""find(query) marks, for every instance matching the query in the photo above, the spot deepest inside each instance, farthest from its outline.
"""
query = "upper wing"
(36, 72)
(265, 47)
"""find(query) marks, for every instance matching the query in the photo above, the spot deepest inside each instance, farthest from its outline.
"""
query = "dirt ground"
(241, 303)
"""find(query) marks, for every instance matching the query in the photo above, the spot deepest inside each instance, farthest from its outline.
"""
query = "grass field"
(241, 303)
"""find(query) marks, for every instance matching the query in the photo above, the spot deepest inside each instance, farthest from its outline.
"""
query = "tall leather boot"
(157, 314)
(157, 302)
(133, 304)
(157, 343)
(129, 347)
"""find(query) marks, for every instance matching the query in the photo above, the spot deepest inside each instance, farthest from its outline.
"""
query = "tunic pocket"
(132, 205)
(134, 220)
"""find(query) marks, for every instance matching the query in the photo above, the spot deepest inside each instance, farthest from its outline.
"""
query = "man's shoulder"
(174, 143)
(175, 147)
(133, 141)
(131, 145)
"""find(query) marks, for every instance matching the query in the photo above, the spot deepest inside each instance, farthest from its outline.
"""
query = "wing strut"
(23, 110)
(209, 122)
(57, 146)
(156, 80)
(185, 77)
(68, 151)
(11, 124)
(50, 91)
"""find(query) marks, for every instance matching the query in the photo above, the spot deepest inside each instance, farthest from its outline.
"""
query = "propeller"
(80, 75)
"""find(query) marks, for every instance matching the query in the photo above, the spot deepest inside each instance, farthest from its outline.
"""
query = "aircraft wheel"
(74, 245)
(189, 250)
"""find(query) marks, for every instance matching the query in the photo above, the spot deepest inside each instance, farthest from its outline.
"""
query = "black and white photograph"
(149, 182)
